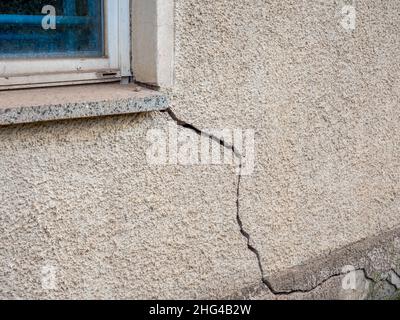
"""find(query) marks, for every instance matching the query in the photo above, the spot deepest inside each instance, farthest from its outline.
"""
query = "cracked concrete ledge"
(375, 262)
(374, 256)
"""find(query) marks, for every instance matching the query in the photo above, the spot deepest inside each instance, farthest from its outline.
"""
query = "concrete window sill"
(70, 102)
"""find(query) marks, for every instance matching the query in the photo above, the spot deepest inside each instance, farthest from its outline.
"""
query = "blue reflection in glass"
(76, 30)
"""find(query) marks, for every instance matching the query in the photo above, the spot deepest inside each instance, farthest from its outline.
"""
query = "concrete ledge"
(375, 256)
(69, 102)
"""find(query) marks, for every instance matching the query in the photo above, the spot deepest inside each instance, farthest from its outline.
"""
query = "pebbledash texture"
(84, 214)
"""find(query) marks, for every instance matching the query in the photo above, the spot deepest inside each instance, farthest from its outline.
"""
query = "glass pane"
(51, 28)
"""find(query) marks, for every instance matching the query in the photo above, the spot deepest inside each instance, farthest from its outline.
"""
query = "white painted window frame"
(20, 73)
(153, 43)
(150, 54)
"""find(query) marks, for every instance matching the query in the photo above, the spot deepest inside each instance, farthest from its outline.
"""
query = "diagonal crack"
(395, 272)
(389, 279)
(389, 282)
(187, 125)
(239, 220)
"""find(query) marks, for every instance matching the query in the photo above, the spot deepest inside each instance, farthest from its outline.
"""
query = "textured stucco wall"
(80, 196)
(324, 105)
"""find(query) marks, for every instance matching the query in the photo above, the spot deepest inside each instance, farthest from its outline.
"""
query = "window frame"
(153, 45)
(116, 64)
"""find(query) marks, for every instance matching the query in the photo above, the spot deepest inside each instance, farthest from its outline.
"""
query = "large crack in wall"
(264, 279)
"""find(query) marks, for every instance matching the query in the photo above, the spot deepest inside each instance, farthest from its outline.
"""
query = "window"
(54, 42)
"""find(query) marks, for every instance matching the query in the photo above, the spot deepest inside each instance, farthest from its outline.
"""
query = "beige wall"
(80, 196)
(324, 103)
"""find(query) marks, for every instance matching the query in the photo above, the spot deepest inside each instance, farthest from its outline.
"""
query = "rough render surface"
(80, 196)
(324, 104)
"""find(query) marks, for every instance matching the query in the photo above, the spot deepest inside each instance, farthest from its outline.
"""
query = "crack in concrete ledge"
(316, 286)
(244, 233)
(389, 279)
(395, 272)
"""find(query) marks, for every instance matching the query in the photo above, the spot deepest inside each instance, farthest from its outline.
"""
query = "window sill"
(71, 102)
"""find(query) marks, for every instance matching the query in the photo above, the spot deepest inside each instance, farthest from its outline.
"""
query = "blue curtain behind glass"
(78, 29)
